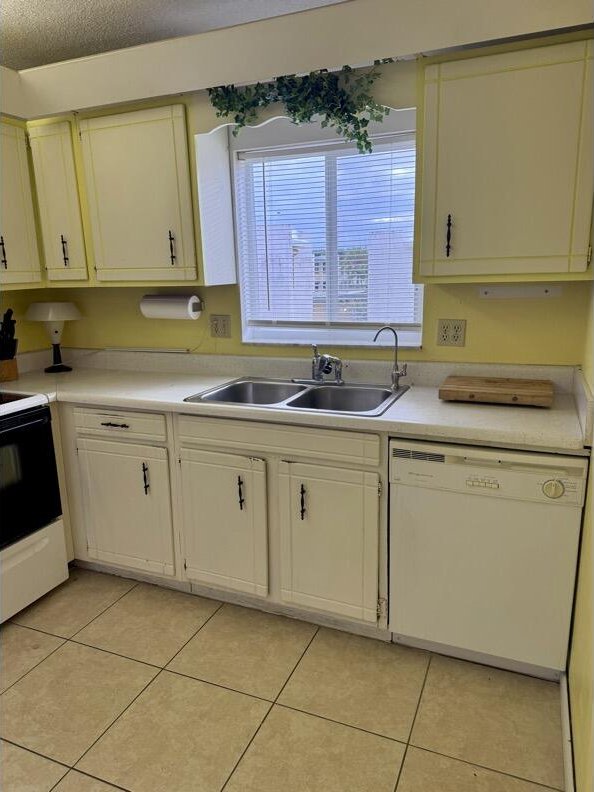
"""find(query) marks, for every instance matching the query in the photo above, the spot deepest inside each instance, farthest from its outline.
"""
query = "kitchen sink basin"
(251, 391)
(363, 399)
(357, 399)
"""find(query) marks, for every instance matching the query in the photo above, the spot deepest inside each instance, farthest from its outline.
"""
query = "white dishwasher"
(483, 550)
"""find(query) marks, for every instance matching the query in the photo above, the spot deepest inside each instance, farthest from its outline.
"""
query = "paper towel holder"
(171, 306)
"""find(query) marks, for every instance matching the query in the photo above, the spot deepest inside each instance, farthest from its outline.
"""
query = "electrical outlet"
(451, 332)
(220, 325)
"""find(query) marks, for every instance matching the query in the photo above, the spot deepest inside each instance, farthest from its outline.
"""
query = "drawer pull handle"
(145, 480)
(302, 509)
(3, 260)
(449, 236)
(65, 257)
(240, 492)
(172, 255)
(115, 425)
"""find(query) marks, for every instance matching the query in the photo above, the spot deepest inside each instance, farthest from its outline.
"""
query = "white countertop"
(418, 413)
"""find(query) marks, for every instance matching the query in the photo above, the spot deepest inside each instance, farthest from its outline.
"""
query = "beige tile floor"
(110, 684)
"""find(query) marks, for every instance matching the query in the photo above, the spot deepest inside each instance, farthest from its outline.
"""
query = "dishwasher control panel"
(485, 483)
(551, 479)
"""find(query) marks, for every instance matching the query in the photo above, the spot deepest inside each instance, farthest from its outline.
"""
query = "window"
(325, 242)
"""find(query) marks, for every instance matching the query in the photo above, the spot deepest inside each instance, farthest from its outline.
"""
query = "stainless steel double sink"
(365, 400)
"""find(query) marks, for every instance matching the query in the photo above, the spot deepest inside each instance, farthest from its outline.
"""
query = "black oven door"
(29, 492)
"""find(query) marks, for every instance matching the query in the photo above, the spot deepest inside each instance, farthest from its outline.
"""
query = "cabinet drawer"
(112, 423)
(329, 444)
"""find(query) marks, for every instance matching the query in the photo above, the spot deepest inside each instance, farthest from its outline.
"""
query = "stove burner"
(6, 398)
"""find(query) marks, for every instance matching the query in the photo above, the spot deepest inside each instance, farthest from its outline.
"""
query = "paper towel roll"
(172, 306)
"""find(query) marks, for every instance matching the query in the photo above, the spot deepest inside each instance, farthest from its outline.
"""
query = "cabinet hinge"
(382, 607)
(589, 257)
(179, 460)
(185, 564)
(380, 489)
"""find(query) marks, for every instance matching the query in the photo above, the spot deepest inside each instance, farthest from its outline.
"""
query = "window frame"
(271, 137)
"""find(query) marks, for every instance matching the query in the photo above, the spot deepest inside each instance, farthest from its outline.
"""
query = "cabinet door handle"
(145, 479)
(115, 425)
(172, 255)
(64, 243)
(302, 510)
(240, 492)
(3, 250)
(449, 236)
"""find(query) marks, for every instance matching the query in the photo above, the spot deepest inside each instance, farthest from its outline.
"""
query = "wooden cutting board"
(498, 390)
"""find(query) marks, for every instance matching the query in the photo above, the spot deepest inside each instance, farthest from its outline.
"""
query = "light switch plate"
(451, 332)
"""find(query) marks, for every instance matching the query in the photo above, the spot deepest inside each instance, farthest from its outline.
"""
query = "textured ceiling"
(36, 32)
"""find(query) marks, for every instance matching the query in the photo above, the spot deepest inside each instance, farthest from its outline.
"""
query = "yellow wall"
(588, 356)
(505, 331)
(581, 667)
(31, 335)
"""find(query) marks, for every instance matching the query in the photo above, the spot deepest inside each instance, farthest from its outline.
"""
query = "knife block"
(8, 370)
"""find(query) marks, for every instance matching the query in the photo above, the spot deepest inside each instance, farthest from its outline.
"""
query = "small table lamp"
(54, 314)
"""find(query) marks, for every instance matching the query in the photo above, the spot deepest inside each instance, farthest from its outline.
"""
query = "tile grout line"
(69, 637)
(338, 723)
(89, 775)
(191, 638)
(37, 753)
(218, 685)
(115, 654)
(251, 740)
(35, 629)
(146, 662)
(159, 672)
(125, 594)
(272, 705)
(64, 640)
(126, 708)
(303, 653)
(61, 637)
(401, 768)
(538, 784)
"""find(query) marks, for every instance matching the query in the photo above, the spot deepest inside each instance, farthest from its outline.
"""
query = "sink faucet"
(323, 364)
(396, 372)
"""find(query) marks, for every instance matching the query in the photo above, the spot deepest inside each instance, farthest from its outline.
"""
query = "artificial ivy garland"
(343, 99)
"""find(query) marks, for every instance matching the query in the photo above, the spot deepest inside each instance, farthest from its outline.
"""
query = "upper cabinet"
(506, 176)
(19, 255)
(57, 195)
(138, 181)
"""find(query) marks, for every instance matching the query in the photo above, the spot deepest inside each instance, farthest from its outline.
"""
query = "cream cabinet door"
(507, 164)
(57, 195)
(127, 504)
(225, 535)
(329, 537)
(138, 181)
(19, 256)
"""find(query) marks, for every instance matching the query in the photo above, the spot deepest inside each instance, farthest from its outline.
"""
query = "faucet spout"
(396, 371)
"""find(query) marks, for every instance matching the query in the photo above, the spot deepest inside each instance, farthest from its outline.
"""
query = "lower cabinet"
(329, 538)
(225, 528)
(233, 514)
(127, 504)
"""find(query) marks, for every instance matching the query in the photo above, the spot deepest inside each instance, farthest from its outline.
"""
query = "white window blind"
(325, 242)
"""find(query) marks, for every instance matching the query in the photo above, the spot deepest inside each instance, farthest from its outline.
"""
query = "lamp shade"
(52, 312)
